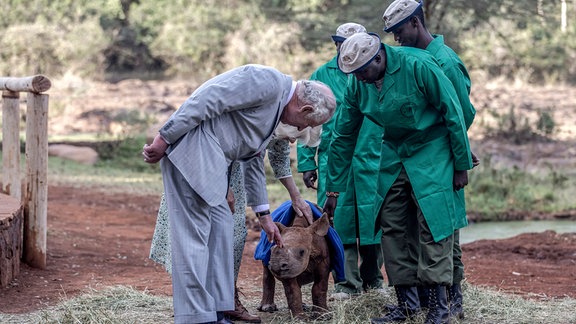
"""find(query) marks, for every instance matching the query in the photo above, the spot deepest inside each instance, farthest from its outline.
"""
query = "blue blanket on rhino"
(284, 215)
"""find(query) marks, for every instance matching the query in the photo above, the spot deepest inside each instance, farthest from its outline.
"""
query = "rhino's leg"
(268, 288)
(293, 293)
(320, 290)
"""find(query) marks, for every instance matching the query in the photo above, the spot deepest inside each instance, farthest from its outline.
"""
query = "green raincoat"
(358, 198)
(456, 72)
(424, 132)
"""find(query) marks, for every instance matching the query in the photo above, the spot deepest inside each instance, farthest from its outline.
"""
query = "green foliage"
(29, 49)
(497, 193)
(199, 38)
(513, 128)
(545, 124)
(125, 154)
(521, 41)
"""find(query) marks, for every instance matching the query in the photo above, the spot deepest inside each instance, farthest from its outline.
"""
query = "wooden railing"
(35, 197)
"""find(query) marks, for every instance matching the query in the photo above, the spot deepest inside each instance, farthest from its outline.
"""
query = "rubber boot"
(240, 313)
(456, 301)
(408, 306)
(424, 297)
(438, 311)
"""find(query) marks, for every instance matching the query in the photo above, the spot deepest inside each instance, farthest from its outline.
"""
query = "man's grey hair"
(314, 93)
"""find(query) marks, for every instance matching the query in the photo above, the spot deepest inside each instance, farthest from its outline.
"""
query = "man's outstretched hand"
(271, 230)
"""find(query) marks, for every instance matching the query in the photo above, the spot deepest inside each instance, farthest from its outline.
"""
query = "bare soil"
(98, 239)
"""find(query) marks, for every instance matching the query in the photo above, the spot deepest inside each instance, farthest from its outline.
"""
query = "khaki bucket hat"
(398, 12)
(346, 30)
(357, 51)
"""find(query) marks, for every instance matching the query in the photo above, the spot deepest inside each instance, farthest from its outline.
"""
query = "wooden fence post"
(12, 182)
(36, 198)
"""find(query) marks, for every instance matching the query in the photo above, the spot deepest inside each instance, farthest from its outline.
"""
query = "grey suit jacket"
(230, 117)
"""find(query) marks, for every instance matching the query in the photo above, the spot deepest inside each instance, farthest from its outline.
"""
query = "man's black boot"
(423, 296)
(456, 300)
(438, 311)
(408, 306)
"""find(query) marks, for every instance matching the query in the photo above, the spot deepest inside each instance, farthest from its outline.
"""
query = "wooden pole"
(563, 18)
(36, 198)
(36, 84)
(11, 180)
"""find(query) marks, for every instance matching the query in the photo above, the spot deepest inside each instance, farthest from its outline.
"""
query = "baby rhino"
(305, 258)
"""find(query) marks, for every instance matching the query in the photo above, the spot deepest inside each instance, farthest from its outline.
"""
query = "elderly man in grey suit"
(230, 117)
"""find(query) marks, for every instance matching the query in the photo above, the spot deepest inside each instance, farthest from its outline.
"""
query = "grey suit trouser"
(202, 251)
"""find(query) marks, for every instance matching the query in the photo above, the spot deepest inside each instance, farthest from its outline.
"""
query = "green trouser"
(458, 275)
(411, 257)
(362, 269)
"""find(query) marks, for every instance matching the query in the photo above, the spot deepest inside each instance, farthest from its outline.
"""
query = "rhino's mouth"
(284, 273)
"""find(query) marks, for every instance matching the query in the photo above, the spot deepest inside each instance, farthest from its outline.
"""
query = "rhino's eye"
(302, 252)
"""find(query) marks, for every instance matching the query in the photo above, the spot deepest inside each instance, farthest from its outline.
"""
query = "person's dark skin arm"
(460, 179)
(309, 178)
(330, 206)
(475, 160)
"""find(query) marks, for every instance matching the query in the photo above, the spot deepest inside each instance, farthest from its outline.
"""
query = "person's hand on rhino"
(271, 230)
(302, 209)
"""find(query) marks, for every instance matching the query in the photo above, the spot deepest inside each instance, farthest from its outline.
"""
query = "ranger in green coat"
(354, 216)
(425, 155)
(405, 20)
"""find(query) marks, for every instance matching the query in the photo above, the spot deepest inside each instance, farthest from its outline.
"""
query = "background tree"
(115, 39)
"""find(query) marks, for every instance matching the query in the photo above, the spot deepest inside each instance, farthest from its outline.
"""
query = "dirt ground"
(100, 239)
(97, 240)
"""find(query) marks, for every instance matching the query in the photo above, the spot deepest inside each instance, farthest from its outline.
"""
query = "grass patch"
(118, 304)
(103, 177)
(495, 193)
(123, 304)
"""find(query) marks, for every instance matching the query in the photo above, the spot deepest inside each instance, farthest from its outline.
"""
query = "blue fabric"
(284, 215)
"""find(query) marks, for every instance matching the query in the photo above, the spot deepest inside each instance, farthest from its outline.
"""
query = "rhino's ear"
(320, 226)
(281, 226)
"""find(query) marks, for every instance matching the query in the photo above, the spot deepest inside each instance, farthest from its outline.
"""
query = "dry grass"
(125, 305)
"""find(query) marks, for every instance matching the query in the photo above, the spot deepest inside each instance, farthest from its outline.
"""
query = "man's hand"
(329, 207)
(271, 230)
(309, 178)
(155, 152)
(303, 209)
(475, 160)
(460, 179)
